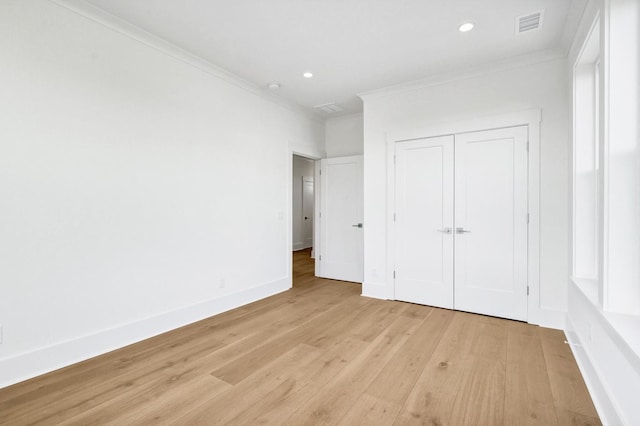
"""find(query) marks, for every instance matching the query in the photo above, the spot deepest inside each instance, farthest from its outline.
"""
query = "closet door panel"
(424, 221)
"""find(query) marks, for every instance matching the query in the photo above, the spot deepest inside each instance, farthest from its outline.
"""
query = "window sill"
(623, 328)
(589, 288)
(628, 328)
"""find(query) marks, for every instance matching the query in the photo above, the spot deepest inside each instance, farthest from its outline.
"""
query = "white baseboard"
(596, 388)
(375, 290)
(40, 361)
(301, 246)
(545, 317)
(551, 318)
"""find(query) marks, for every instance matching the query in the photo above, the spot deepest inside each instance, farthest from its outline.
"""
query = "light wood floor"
(320, 354)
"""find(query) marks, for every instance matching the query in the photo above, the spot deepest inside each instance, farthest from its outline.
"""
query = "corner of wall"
(376, 290)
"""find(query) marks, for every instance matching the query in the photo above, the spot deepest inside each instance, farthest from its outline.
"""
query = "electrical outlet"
(223, 283)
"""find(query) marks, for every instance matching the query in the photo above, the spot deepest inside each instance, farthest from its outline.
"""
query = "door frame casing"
(311, 179)
(311, 153)
(530, 118)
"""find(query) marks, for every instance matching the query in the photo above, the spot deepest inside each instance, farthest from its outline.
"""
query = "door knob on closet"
(445, 230)
(460, 230)
(357, 225)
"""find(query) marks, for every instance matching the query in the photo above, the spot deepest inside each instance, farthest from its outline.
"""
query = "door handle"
(357, 225)
(461, 230)
(445, 230)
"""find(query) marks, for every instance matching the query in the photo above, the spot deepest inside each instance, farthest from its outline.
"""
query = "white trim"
(317, 192)
(530, 118)
(100, 16)
(345, 117)
(463, 74)
(610, 367)
(597, 391)
(311, 152)
(40, 361)
(552, 318)
(579, 60)
(590, 13)
(375, 290)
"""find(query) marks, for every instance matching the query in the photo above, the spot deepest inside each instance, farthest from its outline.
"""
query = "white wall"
(135, 189)
(344, 136)
(541, 86)
(302, 167)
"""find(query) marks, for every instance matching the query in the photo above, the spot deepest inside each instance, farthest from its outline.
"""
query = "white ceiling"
(351, 46)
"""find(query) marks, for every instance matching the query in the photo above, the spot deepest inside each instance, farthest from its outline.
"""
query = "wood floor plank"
(569, 391)
(528, 397)
(335, 399)
(96, 389)
(222, 408)
(274, 346)
(433, 396)
(398, 377)
(123, 408)
(369, 410)
(369, 328)
(319, 353)
(276, 406)
(480, 399)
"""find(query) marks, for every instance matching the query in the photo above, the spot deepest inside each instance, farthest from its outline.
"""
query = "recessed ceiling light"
(467, 26)
(307, 75)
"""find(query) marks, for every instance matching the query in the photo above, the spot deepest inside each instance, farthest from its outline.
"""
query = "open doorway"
(303, 203)
(303, 206)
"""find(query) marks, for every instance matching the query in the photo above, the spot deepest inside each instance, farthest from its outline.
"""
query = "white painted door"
(491, 222)
(424, 221)
(307, 211)
(476, 185)
(341, 233)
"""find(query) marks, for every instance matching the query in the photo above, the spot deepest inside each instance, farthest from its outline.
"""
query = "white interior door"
(307, 211)
(491, 222)
(424, 221)
(476, 185)
(341, 236)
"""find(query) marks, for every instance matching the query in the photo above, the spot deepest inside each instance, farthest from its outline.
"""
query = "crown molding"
(94, 13)
(466, 73)
(345, 117)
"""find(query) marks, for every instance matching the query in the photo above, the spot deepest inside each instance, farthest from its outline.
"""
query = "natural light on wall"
(621, 281)
(606, 160)
(586, 165)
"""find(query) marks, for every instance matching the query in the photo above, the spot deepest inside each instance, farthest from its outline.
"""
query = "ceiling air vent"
(529, 22)
(329, 108)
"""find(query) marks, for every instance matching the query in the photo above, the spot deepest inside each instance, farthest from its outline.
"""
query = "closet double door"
(461, 222)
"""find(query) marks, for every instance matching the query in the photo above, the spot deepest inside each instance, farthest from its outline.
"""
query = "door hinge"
(527, 146)
(320, 257)
(527, 290)
(394, 275)
(527, 218)
(320, 172)
(394, 217)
